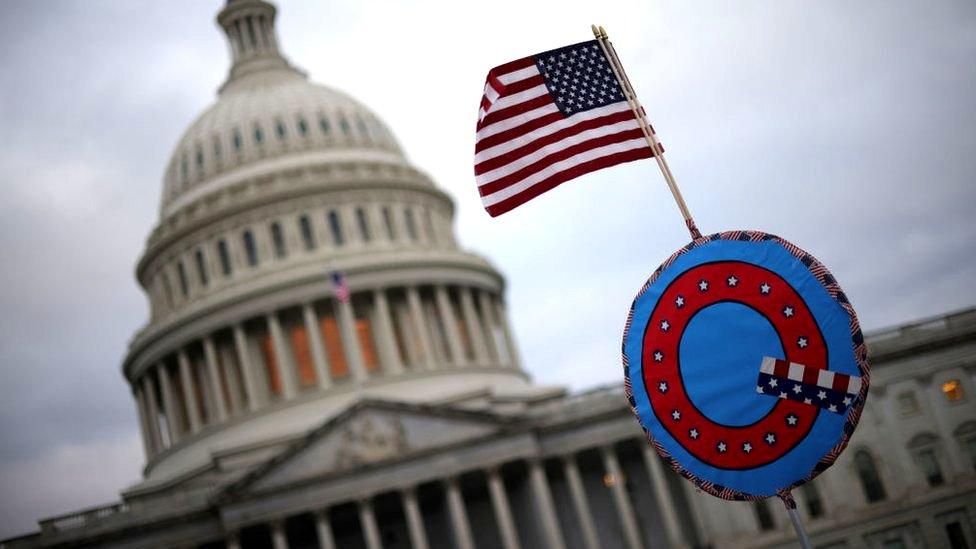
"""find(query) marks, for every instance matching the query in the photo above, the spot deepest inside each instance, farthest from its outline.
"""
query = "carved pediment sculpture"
(371, 439)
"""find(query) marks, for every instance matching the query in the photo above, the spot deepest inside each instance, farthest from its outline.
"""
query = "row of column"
(544, 510)
(237, 383)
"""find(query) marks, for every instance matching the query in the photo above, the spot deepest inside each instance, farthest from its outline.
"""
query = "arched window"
(216, 147)
(867, 471)
(224, 254)
(966, 436)
(238, 141)
(388, 223)
(305, 227)
(201, 267)
(250, 248)
(813, 500)
(184, 283)
(280, 130)
(258, 134)
(923, 448)
(278, 240)
(363, 225)
(411, 225)
(344, 125)
(763, 515)
(199, 158)
(325, 125)
(336, 228)
(302, 127)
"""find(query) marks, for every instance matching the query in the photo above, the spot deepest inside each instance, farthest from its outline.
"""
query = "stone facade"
(275, 413)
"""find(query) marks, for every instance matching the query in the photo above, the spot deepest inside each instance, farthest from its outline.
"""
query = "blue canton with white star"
(828, 399)
(579, 77)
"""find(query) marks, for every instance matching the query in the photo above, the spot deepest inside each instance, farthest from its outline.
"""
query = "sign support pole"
(641, 115)
(801, 532)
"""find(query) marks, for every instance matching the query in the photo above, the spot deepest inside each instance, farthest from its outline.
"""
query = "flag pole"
(801, 533)
(652, 142)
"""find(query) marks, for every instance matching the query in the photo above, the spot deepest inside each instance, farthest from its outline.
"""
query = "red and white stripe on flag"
(547, 119)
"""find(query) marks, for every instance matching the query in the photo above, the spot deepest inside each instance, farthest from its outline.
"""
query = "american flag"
(339, 286)
(549, 118)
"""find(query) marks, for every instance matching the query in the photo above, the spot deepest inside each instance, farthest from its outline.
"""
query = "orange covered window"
(333, 346)
(303, 357)
(270, 364)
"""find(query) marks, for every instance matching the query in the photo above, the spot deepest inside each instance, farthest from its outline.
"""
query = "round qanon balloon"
(745, 364)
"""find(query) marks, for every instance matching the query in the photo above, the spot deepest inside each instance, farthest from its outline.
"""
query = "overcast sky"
(845, 127)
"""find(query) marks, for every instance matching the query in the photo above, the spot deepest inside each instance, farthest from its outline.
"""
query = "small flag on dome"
(549, 118)
(339, 286)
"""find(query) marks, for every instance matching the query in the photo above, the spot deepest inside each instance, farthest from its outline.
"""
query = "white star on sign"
(721, 447)
(658, 356)
(759, 389)
(747, 447)
(693, 433)
(663, 387)
(822, 395)
(770, 438)
(832, 407)
(772, 382)
(787, 311)
(802, 342)
(782, 394)
(791, 419)
(679, 301)
(764, 288)
(847, 401)
(676, 415)
(797, 389)
(807, 401)
(665, 325)
(703, 285)
(733, 280)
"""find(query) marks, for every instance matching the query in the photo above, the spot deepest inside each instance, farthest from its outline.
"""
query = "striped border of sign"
(829, 283)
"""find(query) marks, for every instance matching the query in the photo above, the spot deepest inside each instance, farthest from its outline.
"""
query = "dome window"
(250, 248)
(411, 225)
(184, 283)
(280, 130)
(238, 142)
(216, 147)
(388, 223)
(363, 225)
(325, 125)
(199, 156)
(336, 227)
(305, 227)
(302, 127)
(201, 267)
(344, 126)
(278, 240)
(224, 255)
(258, 134)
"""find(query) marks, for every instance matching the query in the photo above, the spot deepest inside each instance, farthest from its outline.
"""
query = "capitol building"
(279, 412)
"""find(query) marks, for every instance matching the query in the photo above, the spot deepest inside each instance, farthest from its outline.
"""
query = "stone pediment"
(370, 433)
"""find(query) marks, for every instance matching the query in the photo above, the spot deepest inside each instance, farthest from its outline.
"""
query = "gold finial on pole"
(603, 33)
(596, 31)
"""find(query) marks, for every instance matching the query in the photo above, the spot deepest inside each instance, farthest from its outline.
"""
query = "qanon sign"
(745, 364)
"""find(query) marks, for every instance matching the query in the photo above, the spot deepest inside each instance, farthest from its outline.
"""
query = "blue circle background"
(737, 337)
(834, 323)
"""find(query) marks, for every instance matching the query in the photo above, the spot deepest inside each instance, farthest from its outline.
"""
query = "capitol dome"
(275, 189)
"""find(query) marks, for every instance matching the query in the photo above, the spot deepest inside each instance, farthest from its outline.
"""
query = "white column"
(420, 326)
(503, 513)
(415, 522)
(189, 392)
(475, 330)
(316, 346)
(446, 312)
(488, 321)
(244, 360)
(459, 519)
(279, 539)
(663, 498)
(286, 370)
(367, 521)
(152, 411)
(147, 441)
(169, 403)
(547, 512)
(350, 340)
(578, 494)
(220, 405)
(389, 354)
(624, 509)
(509, 340)
(324, 529)
(228, 365)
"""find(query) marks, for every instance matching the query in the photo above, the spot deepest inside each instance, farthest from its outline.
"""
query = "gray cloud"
(846, 128)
